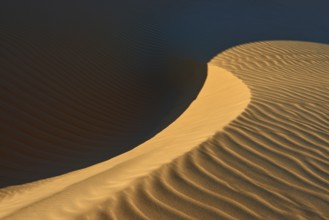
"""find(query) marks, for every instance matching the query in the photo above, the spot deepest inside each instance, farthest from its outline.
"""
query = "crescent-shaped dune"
(271, 162)
(209, 112)
(68, 105)
(109, 110)
(83, 83)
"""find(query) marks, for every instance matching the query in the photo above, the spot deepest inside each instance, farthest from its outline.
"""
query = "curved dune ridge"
(68, 102)
(70, 195)
(269, 163)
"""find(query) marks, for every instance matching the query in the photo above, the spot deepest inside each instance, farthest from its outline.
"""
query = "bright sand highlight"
(270, 162)
(222, 98)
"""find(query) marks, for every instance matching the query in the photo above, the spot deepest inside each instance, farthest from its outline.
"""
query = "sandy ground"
(253, 145)
(269, 163)
(222, 98)
(77, 89)
(102, 117)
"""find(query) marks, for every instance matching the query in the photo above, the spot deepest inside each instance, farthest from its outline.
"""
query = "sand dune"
(68, 105)
(271, 162)
(95, 87)
(103, 180)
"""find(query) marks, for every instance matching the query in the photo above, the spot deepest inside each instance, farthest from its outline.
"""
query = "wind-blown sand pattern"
(271, 162)
(103, 180)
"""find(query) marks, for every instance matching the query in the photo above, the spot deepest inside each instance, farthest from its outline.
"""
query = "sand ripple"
(269, 163)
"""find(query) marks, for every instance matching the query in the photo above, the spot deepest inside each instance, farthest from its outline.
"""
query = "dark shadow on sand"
(84, 81)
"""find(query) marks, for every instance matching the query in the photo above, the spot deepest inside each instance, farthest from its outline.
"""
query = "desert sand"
(189, 109)
(252, 145)
(194, 126)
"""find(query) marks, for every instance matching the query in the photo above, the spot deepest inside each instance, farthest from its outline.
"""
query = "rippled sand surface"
(189, 109)
(270, 162)
(71, 195)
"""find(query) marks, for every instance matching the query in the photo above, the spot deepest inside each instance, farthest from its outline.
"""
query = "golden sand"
(253, 145)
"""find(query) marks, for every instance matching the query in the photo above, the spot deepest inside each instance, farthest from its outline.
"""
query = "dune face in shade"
(73, 96)
(96, 104)
(269, 163)
(109, 57)
(63, 110)
(222, 98)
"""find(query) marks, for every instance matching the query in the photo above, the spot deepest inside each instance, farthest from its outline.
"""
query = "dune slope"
(68, 105)
(269, 163)
(71, 195)
(82, 83)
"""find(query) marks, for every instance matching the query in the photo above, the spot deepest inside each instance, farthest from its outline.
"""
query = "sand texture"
(252, 145)
(175, 109)
(103, 180)
(80, 85)
(269, 163)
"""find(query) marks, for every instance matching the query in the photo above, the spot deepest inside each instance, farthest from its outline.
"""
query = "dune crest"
(222, 98)
(269, 163)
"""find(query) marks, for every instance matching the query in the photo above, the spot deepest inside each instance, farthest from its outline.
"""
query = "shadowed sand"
(221, 99)
(66, 107)
(271, 162)
(80, 85)
(83, 83)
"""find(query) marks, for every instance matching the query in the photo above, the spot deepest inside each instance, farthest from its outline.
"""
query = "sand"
(80, 85)
(65, 108)
(252, 145)
(269, 163)
(99, 182)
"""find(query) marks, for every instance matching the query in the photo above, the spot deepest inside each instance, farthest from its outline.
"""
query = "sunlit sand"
(253, 145)
(164, 110)
(222, 98)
